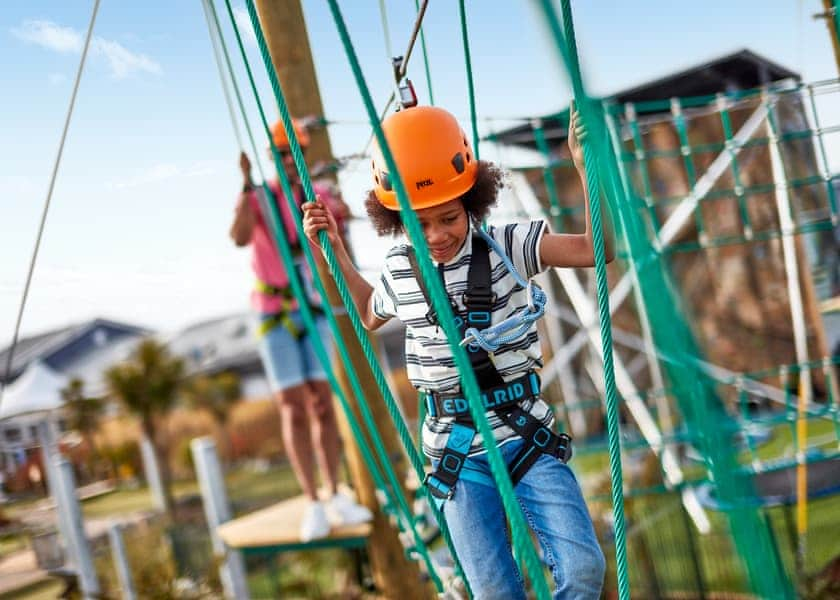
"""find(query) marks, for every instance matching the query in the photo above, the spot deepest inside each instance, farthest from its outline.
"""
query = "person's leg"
(327, 442)
(284, 367)
(324, 427)
(297, 441)
(326, 438)
(555, 509)
(476, 521)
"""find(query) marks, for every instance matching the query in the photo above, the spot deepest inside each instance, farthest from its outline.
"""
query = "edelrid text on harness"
(503, 398)
(283, 316)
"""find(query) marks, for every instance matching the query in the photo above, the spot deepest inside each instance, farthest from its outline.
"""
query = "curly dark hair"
(477, 201)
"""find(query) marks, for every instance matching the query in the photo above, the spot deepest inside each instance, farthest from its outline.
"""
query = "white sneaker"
(314, 524)
(346, 511)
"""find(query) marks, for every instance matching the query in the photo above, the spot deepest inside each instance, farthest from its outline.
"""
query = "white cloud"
(121, 61)
(49, 35)
(56, 78)
(243, 21)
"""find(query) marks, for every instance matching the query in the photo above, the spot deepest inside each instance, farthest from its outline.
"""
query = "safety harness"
(282, 317)
(503, 398)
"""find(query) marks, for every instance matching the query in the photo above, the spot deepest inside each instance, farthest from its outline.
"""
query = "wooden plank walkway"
(276, 529)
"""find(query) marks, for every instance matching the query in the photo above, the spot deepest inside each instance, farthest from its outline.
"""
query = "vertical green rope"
(520, 535)
(738, 189)
(470, 87)
(285, 252)
(395, 489)
(353, 314)
(425, 59)
(548, 176)
(640, 155)
(826, 171)
(688, 163)
(565, 42)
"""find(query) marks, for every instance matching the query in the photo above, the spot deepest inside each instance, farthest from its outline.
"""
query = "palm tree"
(216, 394)
(84, 414)
(148, 385)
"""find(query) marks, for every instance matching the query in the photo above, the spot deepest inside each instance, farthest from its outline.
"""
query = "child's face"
(445, 228)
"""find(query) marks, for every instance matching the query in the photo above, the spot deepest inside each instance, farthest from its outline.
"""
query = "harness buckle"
(564, 447)
(479, 299)
(436, 487)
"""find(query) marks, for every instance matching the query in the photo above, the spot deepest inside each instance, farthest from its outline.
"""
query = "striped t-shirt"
(429, 361)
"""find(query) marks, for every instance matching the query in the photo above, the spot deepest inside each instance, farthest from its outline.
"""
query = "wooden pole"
(394, 575)
(832, 20)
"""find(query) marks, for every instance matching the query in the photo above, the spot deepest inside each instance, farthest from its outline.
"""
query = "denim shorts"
(289, 362)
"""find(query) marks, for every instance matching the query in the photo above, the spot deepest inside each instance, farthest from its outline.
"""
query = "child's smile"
(445, 228)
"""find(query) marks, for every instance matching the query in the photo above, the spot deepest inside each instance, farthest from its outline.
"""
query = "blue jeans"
(554, 508)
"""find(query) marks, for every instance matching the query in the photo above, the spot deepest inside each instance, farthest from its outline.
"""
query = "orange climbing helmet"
(432, 154)
(281, 140)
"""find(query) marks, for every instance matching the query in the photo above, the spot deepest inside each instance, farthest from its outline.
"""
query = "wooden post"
(394, 575)
(832, 20)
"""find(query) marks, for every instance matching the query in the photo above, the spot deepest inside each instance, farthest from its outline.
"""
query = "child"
(452, 193)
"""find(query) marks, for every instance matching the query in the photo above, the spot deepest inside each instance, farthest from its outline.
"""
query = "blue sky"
(138, 226)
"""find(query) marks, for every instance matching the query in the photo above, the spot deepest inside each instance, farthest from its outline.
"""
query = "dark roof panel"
(742, 70)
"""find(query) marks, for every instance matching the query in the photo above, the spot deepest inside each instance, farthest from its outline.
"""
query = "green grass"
(46, 589)
(244, 486)
(821, 434)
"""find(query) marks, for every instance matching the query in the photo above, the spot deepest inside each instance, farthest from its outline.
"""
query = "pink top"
(265, 258)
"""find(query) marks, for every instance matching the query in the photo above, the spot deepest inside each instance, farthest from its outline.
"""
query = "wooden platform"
(276, 529)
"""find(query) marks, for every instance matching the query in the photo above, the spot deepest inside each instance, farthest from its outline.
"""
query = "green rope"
(285, 252)
(470, 87)
(688, 162)
(555, 209)
(639, 154)
(425, 59)
(520, 534)
(354, 317)
(740, 196)
(565, 42)
(832, 196)
(211, 5)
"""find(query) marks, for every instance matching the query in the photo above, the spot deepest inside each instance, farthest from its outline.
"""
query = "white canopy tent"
(37, 390)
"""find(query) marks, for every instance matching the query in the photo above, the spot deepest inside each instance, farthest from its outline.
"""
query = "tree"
(84, 414)
(216, 394)
(148, 385)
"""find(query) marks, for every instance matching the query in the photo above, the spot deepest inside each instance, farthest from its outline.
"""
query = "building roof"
(219, 344)
(52, 346)
(742, 70)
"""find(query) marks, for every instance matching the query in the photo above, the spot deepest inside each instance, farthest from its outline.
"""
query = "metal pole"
(217, 511)
(121, 565)
(48, 457)
(800, 334)
(152, 472)
(68, 504)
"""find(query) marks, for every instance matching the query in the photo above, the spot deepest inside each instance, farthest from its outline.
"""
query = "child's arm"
(577, 249)
(316, 217)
